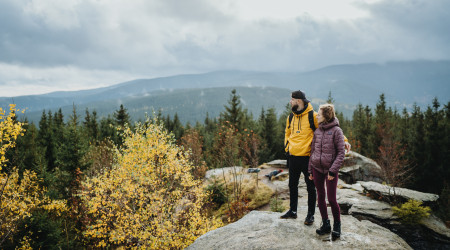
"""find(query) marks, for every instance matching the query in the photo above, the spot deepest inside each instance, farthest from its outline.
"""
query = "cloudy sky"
(49, 45)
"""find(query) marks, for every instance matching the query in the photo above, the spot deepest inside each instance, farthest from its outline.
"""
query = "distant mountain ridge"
(402, 82)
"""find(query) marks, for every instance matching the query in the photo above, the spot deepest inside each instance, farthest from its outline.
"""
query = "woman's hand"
(330, 178)
(311, 177)
(348, 146)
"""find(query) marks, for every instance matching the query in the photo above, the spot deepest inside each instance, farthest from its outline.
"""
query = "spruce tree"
(233, 112)
(46, 141)
(272, 136)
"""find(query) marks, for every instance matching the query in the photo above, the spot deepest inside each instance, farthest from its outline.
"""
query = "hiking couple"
(318, 154)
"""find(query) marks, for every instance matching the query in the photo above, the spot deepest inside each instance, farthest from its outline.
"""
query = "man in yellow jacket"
(299, 132)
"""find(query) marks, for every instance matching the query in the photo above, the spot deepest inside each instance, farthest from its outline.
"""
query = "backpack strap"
(291, 115)
(311, 120)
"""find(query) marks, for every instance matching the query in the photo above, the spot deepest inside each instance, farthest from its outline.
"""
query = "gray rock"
(354, 203)
(355, 186)
(404, 194)
(436, 225)
(218, 172)
(357, 167)
(278, 163)
(264, 230)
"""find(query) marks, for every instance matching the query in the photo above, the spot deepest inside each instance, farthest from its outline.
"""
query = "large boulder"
(265, 230)
(357, 167)
(388, 193)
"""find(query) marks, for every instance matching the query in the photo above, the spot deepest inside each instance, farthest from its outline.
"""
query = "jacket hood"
(325, 126)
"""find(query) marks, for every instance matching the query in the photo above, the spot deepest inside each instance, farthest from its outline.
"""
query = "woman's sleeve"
(339, 144)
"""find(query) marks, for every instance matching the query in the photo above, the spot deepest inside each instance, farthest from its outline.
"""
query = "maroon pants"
(319, 181)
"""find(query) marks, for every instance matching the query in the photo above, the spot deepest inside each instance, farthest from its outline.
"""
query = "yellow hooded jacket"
(298, 136)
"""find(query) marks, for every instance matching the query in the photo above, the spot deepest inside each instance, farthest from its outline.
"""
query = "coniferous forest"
(71, 182)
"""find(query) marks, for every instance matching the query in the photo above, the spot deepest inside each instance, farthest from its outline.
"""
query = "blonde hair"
(327, 112)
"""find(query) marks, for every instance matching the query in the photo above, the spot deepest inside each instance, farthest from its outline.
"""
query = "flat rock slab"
(403, 193)
(278, 163)
(265, 230)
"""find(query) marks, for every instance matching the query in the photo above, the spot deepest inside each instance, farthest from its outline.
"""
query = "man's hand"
(348, 146)
(311, 177)
(330, 178)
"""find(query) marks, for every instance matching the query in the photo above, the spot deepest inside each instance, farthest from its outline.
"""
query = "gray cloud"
(154, 38)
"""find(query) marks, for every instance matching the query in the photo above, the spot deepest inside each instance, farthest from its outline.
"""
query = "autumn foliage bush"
(149, 198)
(21, 195)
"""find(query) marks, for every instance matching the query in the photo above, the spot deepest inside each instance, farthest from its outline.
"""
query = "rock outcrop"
(402, 194)
(368, 220)
(357, 167)
(265, 230)
(278, 163)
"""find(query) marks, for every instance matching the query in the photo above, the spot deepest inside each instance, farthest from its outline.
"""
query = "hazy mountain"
(402, 82)
(190, 104)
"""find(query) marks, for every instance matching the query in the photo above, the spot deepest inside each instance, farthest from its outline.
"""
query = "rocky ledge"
(265, 230)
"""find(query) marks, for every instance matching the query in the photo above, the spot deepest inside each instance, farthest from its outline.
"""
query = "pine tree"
(107, 129)
(330, 98)
(233, 112)
(271, 135)
(121, 117)
(26, 153)
(46, 141)
(381, 120)
(177, 127)
(91, 126)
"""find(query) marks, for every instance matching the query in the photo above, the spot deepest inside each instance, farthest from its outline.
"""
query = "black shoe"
(289, 215)
(325, 228)
(336, 230)
(309, 219)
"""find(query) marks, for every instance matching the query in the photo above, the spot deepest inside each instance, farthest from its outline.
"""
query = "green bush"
(411, 212)
(217, 193)
(276, 205)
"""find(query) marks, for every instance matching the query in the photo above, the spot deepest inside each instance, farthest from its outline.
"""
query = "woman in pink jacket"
(327, 156)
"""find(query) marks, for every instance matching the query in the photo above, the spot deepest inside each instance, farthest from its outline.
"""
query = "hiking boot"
(325, 228)
(309, 220)
(336, 230)
(289, 215)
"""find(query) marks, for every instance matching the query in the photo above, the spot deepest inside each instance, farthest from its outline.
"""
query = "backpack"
(310, 118)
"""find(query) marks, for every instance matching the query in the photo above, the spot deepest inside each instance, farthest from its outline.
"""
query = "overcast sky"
(49, 45)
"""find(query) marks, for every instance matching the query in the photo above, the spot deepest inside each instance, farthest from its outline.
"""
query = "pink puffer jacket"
(327, 148)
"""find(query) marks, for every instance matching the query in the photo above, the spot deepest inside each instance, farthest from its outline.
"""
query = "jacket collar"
(325, 126)
(305, 110)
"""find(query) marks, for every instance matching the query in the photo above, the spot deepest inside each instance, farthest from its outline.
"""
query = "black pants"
(298, 165)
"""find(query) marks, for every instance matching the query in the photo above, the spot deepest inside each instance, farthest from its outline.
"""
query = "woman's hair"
(327, 112)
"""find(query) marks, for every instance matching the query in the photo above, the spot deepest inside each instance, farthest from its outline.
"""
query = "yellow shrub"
(411, 212)
(18, 197)
(9, 131)
(149, 199)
